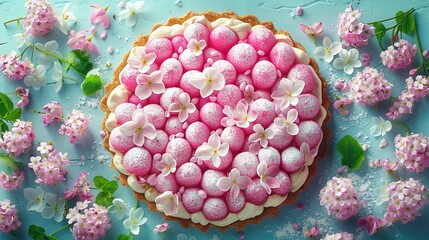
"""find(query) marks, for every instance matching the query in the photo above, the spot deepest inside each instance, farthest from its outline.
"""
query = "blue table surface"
(369, 182)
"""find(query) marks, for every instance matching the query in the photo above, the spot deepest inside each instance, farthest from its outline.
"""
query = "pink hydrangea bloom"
(13, 68)
(19, 139)
(234, 182)
(79, 41)
(23, 95)
(411, 152)
(399, 55)
(351, 31)
(9, 220)
(339, 236)
(54, 112)
(11, 182)
(81, 188)
(40, 18)
(369, 87)
(90, 223)
(371, 224)
(406, 199)
(76, 125)
(403, 105)
(100, 15)
(418, 87)
(340, 198)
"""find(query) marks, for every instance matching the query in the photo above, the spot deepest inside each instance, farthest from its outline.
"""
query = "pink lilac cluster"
(9, 220)
(40, 18)
(339, 236)
(81, 188)
(340, 198)
(371, 224)
(412, 151)
(369, 87)
(89, 223)
(351, 31)
(49, 167)
(406, 199)
(79, 41)
(386, 164)
(399, 55)
(54, 112)
(19, 139)
(14, 68)
(76, 125)
(11, 182)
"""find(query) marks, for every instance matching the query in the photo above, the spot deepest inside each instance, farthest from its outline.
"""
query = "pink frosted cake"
(216, 120)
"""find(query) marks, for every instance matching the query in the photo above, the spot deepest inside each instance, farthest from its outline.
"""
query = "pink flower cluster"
(54, 112)
(406, 199)
(13, 68)
(19, 139)
(89, 223)
(386, 164)
(371, 224)
(81, 188)
(351, 30)
(341, 104)
(399, 55)
(340, 198)
(49, 167)
(369, 87)
(75, 126)
(411, 152)
(40, 18)
(79, 41)
(339, 236)
(9, 182)
(9, 220)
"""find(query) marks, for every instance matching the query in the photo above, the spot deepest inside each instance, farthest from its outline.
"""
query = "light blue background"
(369, 182)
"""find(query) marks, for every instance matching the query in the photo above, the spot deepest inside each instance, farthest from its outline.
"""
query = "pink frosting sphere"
(137, 161)
(190, 61)
(189, 175)
(264, 94)
(213, 54)
(191, 200)
(120, 142)
(170, 96)
(197, 133)
(193, 117)
(124, 112)
(136, 100)
(282, 56)
(154, 98)
(167, 183)
(304, 73)
(256, 194)
(241, 78)
(179, 41)
(187, 87)
(243, 56)
(269, 155)
(266, 112)
(235, 205)
(128, 77)
(309, 132)
(153, 169)
(308, 106)
(234, 136)
(172, 71)
(292, 159)
(285, 184)
(162, 48)
(227, 70)
(158, 144)
(246, 163)
(215, 209)
(262, 39)
(264, 75)
(229, 95)
(180, 149)
(211, 114)
(174, 126)
(209, 182)
(223, 38)
(281, 139)
(224, 164)
(196, 31)
(155, 115)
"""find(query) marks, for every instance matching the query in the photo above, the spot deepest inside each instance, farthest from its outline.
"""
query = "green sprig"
(352, 153)
(107, 189)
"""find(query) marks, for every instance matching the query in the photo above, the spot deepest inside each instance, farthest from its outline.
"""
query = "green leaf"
(104, 198)
(6, 105)
(122, 237)
(13, 115)
(110, 186)
(50, 237)
(406, 24)
(380, 31)
(84, 65)
(36, 232)
(351, 152)
(3, 127)
(91, 85)
(99, 181)
(6, 161)
(70, 59)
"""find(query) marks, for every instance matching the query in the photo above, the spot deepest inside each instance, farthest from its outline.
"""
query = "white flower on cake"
(208, 81)
(35, 198)
(130, 12)
(167, 202)
(308, 153)
(347, 60)
(36, 79)
(239, 116)
(212, 150)
(267, 175)
(329, 50)
(167, 165)
(380, 127)
(249, 94)
(139, 128)
(288, 122)
(66, 19)
(134, 220)
(148, 84)
(235, 182)
(140, 60)
(55, 209)
(196, 47)
(183, 107)
(119, 207)
(288, 92)
(262, 135)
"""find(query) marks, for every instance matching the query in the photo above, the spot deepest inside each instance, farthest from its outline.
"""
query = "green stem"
(61, 229)
(427, 194)
(131, 236)
(71, 79)
(419, 48)
(347, 172)
(32, 53)
(402, 124)
(13, 20)
(387, 19)
(137, 203)
(22, 54)
(50, 54)
(393, 175)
